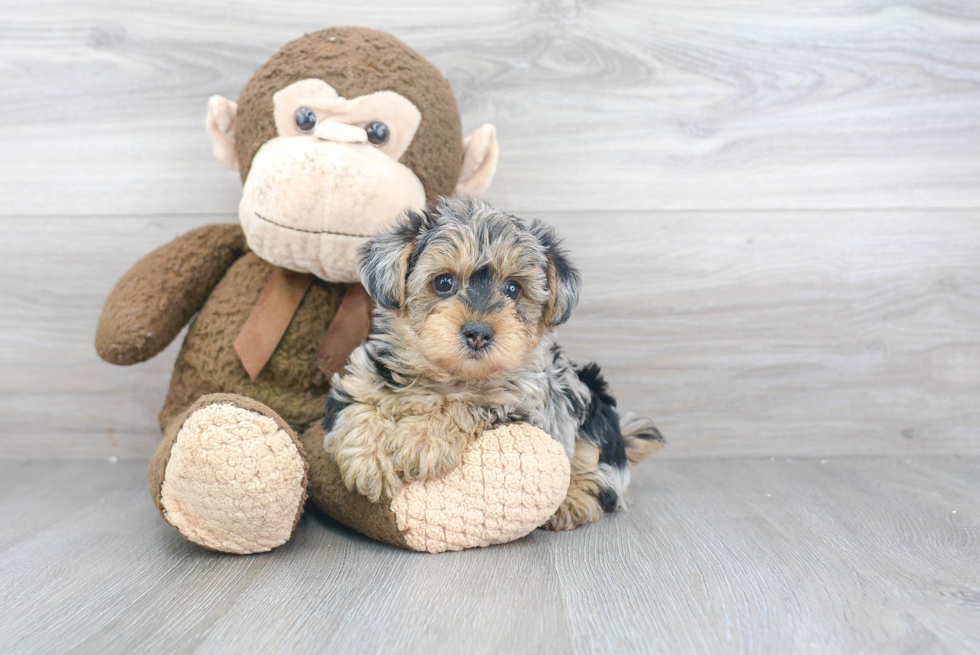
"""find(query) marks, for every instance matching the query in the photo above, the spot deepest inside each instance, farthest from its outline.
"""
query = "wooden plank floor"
(840, 555)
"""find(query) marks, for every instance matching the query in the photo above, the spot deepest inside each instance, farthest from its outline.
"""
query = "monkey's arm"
(159, 295)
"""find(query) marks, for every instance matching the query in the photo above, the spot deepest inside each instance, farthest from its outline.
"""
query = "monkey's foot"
(512, 480)
(232, 477)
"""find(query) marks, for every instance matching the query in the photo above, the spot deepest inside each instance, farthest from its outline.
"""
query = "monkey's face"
(337, 134)
(330, 179)
(480, 287)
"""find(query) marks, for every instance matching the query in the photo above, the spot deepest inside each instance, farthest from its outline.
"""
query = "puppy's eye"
(377, 133)
(306, 119)
(512, 289)
(444, 284)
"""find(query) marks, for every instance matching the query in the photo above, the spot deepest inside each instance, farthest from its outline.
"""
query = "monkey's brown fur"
(357, 61)
(211, 273)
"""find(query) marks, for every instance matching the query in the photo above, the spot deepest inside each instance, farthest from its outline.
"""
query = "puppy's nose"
(478, 335)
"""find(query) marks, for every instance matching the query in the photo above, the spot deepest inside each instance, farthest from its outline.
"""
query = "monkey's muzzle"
(309, 204)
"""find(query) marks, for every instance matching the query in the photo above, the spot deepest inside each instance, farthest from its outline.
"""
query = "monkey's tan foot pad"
(235, 481)
(512, 480)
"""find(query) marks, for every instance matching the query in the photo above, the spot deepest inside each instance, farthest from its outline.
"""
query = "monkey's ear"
(221, 126)
(564, 280)
(383, 261)
(480, 155)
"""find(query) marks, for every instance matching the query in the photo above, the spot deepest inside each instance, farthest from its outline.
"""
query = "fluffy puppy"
(462, 340)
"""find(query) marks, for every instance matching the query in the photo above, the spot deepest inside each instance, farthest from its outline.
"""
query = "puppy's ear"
(564, 280)
(383, 261)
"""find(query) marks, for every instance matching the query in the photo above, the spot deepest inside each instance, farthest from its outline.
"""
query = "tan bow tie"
(274, 311)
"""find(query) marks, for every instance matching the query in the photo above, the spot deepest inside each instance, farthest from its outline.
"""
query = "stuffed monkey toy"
(335, 136)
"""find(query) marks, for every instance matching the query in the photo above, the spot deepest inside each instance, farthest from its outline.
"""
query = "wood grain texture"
(744, 333)
(599, 105)
(874, 555)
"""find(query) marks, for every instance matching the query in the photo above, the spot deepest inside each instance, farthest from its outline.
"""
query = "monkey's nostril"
(478, 335)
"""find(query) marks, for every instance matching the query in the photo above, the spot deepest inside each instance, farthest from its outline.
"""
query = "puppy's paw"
(425, 447)
(368, 472)
(573, 512)
(357, 445)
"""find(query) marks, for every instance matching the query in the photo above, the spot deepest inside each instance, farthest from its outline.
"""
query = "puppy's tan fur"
(419, 390)
(581, 505)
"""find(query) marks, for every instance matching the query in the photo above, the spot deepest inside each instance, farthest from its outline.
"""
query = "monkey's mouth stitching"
(296, 229)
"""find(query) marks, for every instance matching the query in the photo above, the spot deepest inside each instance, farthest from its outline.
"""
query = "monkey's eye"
(512, 289)
(444, 284)
(377, 133)
(306, 119)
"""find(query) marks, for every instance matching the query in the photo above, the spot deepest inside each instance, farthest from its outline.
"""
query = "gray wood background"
(776, 207)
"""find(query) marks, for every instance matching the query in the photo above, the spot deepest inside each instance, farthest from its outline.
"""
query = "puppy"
(462, 340)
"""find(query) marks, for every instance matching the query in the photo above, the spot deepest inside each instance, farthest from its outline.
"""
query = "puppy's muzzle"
(478, 336)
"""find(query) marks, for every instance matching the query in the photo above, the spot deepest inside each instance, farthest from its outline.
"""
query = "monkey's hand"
(158, 296)
(429, 446)
(357, 445)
